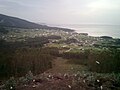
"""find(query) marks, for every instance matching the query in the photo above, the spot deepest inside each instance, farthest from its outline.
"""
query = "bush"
(77, 57)
(19, 62)
(104, 61)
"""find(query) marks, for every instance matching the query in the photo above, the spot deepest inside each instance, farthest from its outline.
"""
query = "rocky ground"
(63, 76)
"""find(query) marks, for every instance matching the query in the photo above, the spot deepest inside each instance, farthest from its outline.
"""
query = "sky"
(64, 11)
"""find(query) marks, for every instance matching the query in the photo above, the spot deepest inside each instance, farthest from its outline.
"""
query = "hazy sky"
(64, 11)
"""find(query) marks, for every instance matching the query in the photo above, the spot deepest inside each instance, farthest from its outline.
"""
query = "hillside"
(20, 23)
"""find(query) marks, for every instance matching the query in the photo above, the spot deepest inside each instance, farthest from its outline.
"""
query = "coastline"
(96, 30)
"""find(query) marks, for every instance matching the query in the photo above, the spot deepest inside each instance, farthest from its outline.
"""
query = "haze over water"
(69, 12)
(97, 30)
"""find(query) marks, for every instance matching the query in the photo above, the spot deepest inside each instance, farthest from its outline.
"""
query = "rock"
(38, 80)
(69, 86)
(57, 77)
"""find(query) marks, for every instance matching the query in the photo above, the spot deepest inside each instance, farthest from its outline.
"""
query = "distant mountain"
(9, 21)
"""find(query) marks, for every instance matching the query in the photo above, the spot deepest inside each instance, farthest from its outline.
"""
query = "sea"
(96, 30)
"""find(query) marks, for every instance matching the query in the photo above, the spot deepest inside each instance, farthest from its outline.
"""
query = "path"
(61, 77)
(64, 76)
(60, 65)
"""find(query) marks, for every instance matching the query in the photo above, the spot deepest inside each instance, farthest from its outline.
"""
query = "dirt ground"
(64, 76)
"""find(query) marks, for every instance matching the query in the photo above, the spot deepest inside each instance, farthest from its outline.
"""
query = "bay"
(96, 30)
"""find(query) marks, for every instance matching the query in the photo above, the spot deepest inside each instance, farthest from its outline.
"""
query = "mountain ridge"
(10, 21)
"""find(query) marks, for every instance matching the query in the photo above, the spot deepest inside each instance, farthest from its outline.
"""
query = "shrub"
(19, 62)
(109, 61)
(102, 61)
(77, 57)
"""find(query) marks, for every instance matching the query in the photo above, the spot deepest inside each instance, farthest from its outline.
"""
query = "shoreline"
(95, 30)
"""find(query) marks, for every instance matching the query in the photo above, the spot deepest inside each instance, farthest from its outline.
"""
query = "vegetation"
(77, 57)
(109, 61)
(3, 30)
(35, 51)
(16, 60)
(102, 61)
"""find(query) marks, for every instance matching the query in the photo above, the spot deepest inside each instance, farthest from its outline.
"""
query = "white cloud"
(64, 11)
(103, 4)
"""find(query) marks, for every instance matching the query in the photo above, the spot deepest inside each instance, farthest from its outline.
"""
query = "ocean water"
(97, 30)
